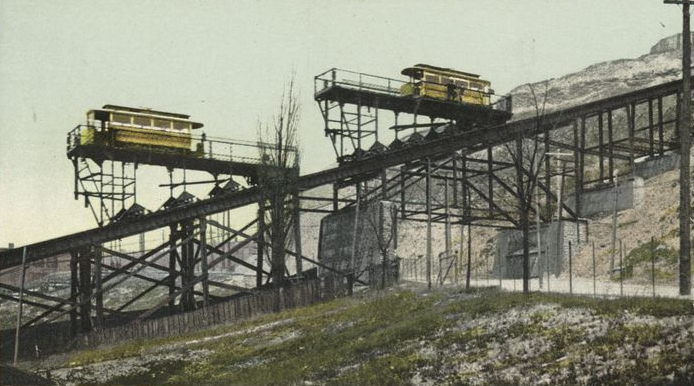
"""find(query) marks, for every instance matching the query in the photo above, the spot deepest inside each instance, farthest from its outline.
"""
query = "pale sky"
(225, 63)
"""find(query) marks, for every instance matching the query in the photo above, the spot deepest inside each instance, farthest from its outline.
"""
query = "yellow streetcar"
(129, 127)
(446, 84)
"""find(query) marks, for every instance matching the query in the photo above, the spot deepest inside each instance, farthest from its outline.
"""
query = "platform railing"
(357, 80)
(361, 81)
(201, 146)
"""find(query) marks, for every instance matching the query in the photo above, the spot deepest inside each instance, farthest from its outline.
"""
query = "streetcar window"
(120, 118)
(181, 126)
(461, 83)
(431, 78)
(477, 85)
(142, 121)
(161, 123)
(446, 80)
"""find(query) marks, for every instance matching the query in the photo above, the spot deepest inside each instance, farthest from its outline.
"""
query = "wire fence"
(647, 269)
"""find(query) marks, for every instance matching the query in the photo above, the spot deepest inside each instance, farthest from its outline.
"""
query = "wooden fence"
(262, 302)
(41, 340)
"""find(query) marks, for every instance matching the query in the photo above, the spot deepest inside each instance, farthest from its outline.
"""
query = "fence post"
(653, 264)
(594, 292)
(571, 284)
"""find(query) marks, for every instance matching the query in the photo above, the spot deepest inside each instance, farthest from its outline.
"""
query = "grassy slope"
(402, 337)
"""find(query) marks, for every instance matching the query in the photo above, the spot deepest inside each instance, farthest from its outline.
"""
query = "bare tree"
(277, 178)
(384, 233)
(528, 155)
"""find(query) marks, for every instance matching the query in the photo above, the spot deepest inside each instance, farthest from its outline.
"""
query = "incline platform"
(347, 87)
(215, 156)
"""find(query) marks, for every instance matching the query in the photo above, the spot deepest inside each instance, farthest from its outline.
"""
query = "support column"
(685, 130)
(402, 192)
(359, 124)
(631, 116)
(464, 191)
(577, 189)
(336, 190)
(524, 210)
(454, 164)
(172, 265)
(296, 226)
(661, 145)
(651, 136)
(582, 163)
(187, 267)
(447, 230)
(202, 248)
(600, 149)
(261, 243)
(85, 289)
(610, 152)
(490, 179)
(73, 291)
(428, 205)
(548, 172)
(99, 301)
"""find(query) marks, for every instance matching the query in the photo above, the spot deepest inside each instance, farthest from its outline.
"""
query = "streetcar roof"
(418, 70)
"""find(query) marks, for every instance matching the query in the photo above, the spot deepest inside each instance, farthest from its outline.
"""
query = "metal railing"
(361, 81)
(201, 146)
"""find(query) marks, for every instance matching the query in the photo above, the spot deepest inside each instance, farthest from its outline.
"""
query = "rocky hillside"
(409, 336)
(602, 80)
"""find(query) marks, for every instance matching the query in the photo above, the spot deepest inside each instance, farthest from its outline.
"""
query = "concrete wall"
(554, 237)
(601, 200)
(337, 237)
(652, 167)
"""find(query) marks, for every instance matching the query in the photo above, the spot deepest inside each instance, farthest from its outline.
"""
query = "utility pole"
(19, 312)
(353, 255)
(685, 148)
(560, 187)
(614, 222)
(539, 244)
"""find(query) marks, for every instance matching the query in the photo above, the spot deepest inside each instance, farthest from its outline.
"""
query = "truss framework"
(470, 162)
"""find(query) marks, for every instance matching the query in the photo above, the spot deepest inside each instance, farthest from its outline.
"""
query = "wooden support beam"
(651, 136)
(610, 152)
(261, 244)
(577, 177)
(229, 254)
(490, 169)
(296, 226)
(661, 140)
(601, 159)
(202, 251)
(99, 298)
(173, 234)
(73, 292)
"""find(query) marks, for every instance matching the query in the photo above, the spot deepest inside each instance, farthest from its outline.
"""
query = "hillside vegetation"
(409, 336)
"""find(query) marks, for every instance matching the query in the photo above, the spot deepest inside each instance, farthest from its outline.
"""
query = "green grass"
(500, 301)
(651, 250)
(374, 341)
